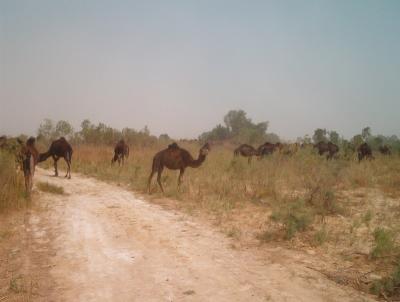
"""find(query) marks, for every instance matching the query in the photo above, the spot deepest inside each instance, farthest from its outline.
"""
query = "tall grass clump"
(388, 286)
(385, 245)
(294, 215)
(12, 189)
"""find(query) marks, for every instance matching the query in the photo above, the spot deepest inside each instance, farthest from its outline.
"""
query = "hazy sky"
(180, 66)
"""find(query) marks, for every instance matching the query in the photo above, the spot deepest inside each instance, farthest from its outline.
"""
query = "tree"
(46, 129)
(334, 137)
(236, 120)
(164, 137)
(320, 135)
(357, 140)
(63, 128)
(366, 133)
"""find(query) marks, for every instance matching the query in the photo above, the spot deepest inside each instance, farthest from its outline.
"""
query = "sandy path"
(109, 245)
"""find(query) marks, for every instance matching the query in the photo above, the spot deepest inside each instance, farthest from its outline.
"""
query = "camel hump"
(173, 146)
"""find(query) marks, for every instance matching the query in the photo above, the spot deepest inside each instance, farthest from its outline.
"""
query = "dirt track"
(102, 243)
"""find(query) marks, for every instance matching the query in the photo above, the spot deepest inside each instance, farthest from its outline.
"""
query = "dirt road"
(102, 243)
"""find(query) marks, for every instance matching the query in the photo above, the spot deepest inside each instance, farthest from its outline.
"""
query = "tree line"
(237, 127)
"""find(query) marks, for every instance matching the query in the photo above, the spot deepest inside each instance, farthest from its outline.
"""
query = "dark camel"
(59, 148)
(176, 158)
(29, 157)
(330, 148)
(364, 151)
(121, 151)
(385, 150)
(268, 148)
(245, 151)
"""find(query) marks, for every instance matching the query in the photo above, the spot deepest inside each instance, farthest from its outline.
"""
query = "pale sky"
(180, 66)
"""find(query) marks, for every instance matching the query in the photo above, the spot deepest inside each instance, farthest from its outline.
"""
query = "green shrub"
(389, 286)
(295, 216)
(384, 243)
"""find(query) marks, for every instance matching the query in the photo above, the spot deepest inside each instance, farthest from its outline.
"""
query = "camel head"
(205, 149)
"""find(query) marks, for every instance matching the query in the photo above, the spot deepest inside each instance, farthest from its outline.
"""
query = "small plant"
(388, 286)
(295, 217)
(367, 217)
(234, 232)
(50, 188)
(384, 243)
(321, 236)
(16, 284)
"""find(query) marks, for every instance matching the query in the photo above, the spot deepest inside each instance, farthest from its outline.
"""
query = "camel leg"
(149, 181)
(68, 168)
(159, 178)
(180, 178)
(55, 165)
(249, 160)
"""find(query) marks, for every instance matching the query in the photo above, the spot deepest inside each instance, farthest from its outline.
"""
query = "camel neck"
(197, 162)
(44, 156)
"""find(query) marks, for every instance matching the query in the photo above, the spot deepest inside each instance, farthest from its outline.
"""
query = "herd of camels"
(173, 157)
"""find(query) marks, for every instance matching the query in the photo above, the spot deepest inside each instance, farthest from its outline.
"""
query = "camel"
(385, 150)
(330, 148)
(29, 157)
(121, 151)
(59, 148)
(245, 151)
(176, 158)
(268, 148)
(364, 151)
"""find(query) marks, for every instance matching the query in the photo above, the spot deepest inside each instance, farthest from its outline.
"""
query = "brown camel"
(385, 150)
(175, 158)
(28, 157)
(245, 151)
(59, 148)
(268, 148)
(121, 151)
(364, 151)
(330, 148)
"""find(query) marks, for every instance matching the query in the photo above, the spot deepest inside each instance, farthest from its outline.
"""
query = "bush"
(389, 286)
(295, 216)
(12, 189)
(384, 243)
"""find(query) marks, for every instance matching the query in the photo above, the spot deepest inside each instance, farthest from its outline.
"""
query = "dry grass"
(12, 190)
(50, 188)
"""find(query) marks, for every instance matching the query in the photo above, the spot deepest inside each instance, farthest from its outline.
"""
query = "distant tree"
(164, 137)
(272, 138)
(334, 137)
(145, 130)
(366, 133)
(236, 120)
(357, 140)
(320, 135)
(63, 128)
(46, 130)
